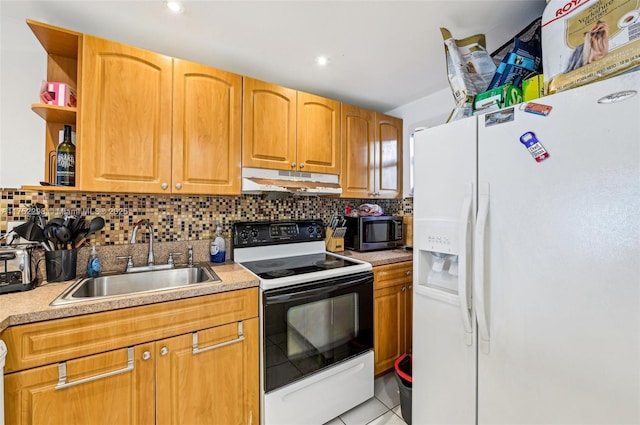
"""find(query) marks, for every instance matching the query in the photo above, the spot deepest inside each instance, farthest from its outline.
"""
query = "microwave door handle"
(309, 293)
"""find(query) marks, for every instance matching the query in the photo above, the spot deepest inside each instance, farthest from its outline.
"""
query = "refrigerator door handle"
(479, 262)
(465, 220)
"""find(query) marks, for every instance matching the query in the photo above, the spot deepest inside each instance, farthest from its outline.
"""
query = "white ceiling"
(383, 54)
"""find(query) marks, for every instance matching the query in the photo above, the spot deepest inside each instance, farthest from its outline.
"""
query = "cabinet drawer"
(392, 274)
(42, 343)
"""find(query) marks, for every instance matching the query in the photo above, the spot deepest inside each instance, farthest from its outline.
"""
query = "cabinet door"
(358, 159)
(388, 327)
(206, 130)
(269, 126)
(318, 123)
(215, 383)
(91, 395)
(124, 143)
(388, 179)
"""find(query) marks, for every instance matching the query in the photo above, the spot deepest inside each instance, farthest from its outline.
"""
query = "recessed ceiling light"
(322, 60)
(175, 6)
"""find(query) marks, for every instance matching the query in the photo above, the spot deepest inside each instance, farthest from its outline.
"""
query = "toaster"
(16, 272)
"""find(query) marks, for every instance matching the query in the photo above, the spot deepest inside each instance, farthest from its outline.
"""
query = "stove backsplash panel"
(176, 218)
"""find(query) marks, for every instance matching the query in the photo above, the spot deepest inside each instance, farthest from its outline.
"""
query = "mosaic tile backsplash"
(176, 218)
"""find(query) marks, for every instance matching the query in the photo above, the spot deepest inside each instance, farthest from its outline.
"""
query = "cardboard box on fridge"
(584, 41)
(497, 98)
(59, 94)
(533, 88)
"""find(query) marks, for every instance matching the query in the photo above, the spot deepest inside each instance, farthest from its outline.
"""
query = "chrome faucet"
(147, 223)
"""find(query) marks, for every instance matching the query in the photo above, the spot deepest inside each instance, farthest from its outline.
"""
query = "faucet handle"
(190, 253)
(170, 261)
(129, 259)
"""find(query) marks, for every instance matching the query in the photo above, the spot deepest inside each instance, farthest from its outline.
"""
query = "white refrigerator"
(527, 271)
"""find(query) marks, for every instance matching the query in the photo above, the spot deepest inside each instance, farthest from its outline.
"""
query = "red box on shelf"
(59, 94)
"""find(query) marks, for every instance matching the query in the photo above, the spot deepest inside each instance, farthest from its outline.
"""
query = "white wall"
(22, 132)
(429, 111)
(23, 65)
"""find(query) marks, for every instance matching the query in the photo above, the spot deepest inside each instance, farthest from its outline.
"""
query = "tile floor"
(382, 409)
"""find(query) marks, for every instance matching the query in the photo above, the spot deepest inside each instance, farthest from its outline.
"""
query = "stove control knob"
(244, 235)
(254, 233)
(311, 229)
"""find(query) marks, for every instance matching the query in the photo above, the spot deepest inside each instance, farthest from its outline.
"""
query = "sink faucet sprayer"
(147, 223)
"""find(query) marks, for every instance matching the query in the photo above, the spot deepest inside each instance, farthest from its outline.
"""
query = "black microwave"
(372, 233)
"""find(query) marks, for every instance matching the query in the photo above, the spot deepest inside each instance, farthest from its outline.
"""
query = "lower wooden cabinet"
(215, 382)
(204, 376)
(392, 313)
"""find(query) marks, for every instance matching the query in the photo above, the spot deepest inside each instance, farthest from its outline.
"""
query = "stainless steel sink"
(119, 284)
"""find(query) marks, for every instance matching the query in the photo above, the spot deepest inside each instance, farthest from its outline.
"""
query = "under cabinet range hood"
(260, 180)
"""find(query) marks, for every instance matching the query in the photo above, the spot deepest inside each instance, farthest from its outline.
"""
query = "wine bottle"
(66, 160)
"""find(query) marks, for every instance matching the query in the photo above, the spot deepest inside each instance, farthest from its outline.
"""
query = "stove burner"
(280, 273)
(269, 264)
(328, 264)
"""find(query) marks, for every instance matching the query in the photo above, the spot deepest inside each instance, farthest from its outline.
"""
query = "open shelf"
(53, 113)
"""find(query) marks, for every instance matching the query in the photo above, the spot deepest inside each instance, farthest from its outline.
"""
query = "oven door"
(311, 326)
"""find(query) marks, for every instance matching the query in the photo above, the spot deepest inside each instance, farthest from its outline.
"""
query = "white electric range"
(316, 321)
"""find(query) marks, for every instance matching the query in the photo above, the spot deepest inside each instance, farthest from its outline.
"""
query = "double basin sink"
(118, 284)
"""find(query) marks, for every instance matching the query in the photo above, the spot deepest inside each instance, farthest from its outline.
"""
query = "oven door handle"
(293, 296)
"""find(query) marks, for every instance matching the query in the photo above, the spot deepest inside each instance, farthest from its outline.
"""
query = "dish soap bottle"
(93, 264)
(218, 246)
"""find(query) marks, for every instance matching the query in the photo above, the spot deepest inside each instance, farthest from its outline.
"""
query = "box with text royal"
(584, 41)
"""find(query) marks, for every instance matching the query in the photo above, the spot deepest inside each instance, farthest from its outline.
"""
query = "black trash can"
(403, 377)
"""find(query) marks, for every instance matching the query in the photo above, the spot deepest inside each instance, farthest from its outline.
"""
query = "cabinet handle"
(164, 351)
(178, 185)
(404, 288)
(408, 272)
(301, 165)
(62, 373)
(146, 355)
(164, 186)
(293, 165)
(197, 350)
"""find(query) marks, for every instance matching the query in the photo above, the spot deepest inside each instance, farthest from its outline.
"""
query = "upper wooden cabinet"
(207, 113)
(388, 166)
(146, 123)
(372, 154)
(124, 144)
(318, 134)
(154, 124)
(284, 129)
(358, 152)
(269, 126)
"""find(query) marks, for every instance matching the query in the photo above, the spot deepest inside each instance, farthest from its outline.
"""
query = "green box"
(497, 98)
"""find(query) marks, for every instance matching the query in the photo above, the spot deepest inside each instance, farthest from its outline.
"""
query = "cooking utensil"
(63, 234)
(96, 224)
(50, 235)
(57, 221)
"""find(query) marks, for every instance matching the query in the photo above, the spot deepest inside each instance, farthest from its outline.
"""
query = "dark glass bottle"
(66, 160)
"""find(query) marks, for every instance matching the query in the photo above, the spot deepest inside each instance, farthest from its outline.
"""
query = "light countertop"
(380, 258)
(33, 306)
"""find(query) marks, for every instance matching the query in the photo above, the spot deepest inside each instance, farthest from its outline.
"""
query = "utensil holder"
(61, 264)
(334, 242)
